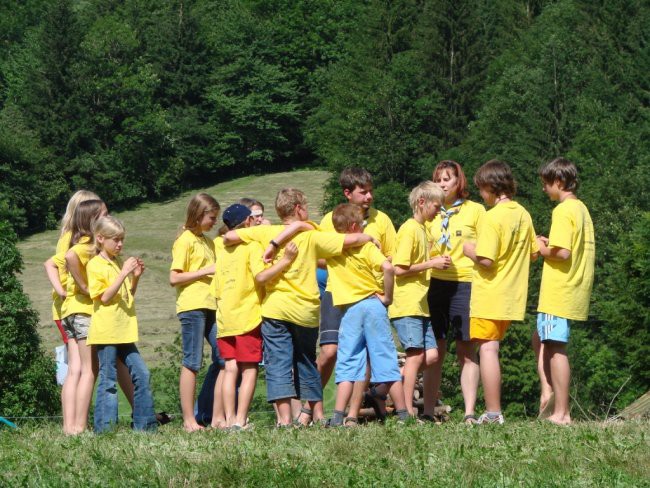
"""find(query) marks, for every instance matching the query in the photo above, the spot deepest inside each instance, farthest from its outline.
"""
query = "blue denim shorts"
(330, 320)
(197, 325)
(365, 333)
(553, 328)
(415, 332)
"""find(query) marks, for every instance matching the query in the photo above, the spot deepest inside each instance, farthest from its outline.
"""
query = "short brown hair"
(429, 191)
(345, 215)
(286, 201)
(457, 171)
(350, 178)
(496, 176)
(563, 170)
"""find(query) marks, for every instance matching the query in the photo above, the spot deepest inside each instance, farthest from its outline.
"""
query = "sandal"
(307, 411)
(434, 419)
(470, 419)
(163, 418)
(370, 401)
(350, 422)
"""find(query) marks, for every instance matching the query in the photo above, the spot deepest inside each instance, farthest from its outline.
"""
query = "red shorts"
(64, 335)
(244, 348)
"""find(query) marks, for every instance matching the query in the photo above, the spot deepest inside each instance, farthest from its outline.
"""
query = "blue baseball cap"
(235, 215)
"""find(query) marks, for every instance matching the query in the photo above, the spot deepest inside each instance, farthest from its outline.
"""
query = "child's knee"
(431, 357)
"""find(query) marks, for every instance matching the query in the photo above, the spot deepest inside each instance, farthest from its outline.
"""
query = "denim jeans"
(290, 361)
(197, 325)
(144, 417)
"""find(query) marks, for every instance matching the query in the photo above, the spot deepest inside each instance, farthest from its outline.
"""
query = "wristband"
(274, 244)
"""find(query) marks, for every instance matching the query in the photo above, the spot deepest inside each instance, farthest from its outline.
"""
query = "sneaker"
(484, 419)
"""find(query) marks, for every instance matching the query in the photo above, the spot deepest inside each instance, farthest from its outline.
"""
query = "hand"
(269, 253)
(139, 269)
(384, 299)
(440, 262)
(62, 294)
(542, 240)
(130, 265)
(265, 222)
(290, 252)
(376, 243)
(209, 270)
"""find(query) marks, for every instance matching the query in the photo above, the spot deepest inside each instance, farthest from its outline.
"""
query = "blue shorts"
(330, 320)
(449, 309)
(415, 332)
(197, 325)
(365, 333)
(552, 328)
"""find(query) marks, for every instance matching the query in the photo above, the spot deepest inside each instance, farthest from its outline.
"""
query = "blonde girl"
(112, 283)
(193, 264)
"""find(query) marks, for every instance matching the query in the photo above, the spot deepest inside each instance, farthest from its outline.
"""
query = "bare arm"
(52, 271)
(269, 274)
(177, 277)
(127, 268)
(74, 267)
(358, 240)
(231, 238)
(469, 249)
(552, 253)
(286, 234)
(439, 262)
(389, 283)
(137, 272)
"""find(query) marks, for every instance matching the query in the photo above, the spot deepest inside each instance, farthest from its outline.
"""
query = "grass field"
(529, 454)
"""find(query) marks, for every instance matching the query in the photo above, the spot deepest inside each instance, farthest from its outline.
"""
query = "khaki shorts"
(487, 329)
(76, 325)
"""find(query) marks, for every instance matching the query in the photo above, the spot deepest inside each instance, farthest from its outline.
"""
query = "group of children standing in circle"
(451, 272)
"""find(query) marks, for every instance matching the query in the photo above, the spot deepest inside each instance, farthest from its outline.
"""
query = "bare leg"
(396, 392)
(217, 402)
(229, 389)
(69, 390)
(491, 374)
(432, 377)
(358, 390)
(343, 395)
(414, 361)
(556, 356)
(284, 411)
(469, 373)
(543, 372)
(187, 388)
(246, 390)
(86, 384)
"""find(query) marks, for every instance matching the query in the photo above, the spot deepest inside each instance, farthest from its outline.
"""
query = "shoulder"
(379, 216)
(187, 237)
(473, 207)
(96, 264)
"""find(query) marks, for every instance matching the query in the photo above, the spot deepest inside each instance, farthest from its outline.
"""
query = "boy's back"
(566, 285)
(353, 274)
(507, 237)
(294, 297)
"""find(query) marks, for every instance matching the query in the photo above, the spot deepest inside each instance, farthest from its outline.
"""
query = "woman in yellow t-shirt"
(193, 260)
(449, 289)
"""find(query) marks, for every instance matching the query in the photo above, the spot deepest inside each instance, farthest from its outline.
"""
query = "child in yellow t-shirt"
(113, 331)
(567, 278)
(365, 329)
(504, 247)
(291, 302)
(238, 287)
(409, 312)
(193, 260)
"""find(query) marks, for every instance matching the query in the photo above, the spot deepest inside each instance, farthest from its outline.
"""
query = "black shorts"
(330, 320)
(449, 309)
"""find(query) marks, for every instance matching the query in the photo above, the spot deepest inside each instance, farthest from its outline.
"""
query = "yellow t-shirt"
(62, 246)
(115, 322)
(410, 295)
(294, 295)
(566, 285)
(76, 301)
(191, 253)
(462, 227)
(239, 300)
(352, 275)
(507, 237)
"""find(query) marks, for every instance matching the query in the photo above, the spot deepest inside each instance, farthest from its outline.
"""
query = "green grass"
(515, 454)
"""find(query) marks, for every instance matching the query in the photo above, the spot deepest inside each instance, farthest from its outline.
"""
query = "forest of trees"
(142, 99)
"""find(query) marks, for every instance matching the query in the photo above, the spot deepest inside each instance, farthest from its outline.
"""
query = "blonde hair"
(345, 215)
(108, 227)
(84, 218)
(77, 197)
(428, 191)
(199, 205)
(286, 201)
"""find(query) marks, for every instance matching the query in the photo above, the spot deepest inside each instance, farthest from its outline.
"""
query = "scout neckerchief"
(445, 215)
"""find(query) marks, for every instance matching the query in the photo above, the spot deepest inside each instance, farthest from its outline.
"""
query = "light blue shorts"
(415, 332)
(552, 328)
(365, 334)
